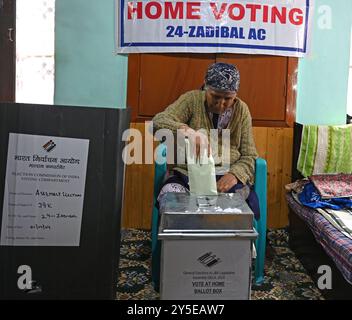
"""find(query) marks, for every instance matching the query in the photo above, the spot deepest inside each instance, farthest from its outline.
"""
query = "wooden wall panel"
(263, 83)
(138, 192)
(156, 80)
(261, 141)
(268, 83)
(274, 160)
(273, 144)
(286, 174)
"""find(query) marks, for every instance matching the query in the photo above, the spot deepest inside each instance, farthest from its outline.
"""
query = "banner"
(276, 27)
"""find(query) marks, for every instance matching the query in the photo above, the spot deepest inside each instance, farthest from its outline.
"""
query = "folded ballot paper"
(201, 172)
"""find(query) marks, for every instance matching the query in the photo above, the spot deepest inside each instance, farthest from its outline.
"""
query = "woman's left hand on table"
(226, 182)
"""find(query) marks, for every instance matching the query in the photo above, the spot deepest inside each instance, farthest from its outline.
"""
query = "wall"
(88, 73)
(322, 77)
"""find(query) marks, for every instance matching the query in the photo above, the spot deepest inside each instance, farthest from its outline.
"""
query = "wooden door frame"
(133, 92)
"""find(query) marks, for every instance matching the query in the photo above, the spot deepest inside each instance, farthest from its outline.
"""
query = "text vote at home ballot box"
(206, 247)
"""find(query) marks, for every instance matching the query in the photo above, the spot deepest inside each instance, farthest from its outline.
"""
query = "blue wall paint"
(88, 73)
(322, 77)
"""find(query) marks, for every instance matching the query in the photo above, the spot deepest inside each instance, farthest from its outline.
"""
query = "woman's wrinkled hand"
(226, 182)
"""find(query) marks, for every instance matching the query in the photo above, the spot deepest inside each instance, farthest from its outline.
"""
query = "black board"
(87, 271)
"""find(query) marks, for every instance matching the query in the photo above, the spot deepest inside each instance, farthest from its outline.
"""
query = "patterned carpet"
(285, 278)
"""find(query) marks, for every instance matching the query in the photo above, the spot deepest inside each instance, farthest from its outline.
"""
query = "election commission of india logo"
(209, 259)
(49, 146)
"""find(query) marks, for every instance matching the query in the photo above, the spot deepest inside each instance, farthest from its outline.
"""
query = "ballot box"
(206, 251)
(61, 180)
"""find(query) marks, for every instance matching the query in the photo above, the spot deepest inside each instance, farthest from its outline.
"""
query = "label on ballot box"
(207, 269)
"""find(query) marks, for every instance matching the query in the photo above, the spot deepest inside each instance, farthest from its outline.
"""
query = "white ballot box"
(206, 247)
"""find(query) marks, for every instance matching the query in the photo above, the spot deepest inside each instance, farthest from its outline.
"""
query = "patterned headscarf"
(223, 77)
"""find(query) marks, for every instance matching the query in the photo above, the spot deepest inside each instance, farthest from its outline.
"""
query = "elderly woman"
(215, 106)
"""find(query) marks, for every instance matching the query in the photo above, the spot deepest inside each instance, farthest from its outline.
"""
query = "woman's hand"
(226, 182)
(186, 131)
(198, 138)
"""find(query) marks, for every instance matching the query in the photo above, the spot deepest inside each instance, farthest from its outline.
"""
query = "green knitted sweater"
(190, 109)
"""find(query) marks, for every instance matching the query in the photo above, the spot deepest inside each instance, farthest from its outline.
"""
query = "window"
(35, 43)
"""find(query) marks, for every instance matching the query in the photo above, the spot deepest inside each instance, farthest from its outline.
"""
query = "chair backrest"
(160, 167)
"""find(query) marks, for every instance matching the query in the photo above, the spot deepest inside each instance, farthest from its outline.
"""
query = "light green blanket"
(325, 149)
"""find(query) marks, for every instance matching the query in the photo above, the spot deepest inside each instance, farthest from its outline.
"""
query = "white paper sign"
(276, 27)
(206, 269)
(44, 191)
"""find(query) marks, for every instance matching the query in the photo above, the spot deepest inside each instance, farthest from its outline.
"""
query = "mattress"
(337, 246)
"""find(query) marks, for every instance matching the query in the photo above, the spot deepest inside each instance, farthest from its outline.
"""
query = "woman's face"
(219, 101)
